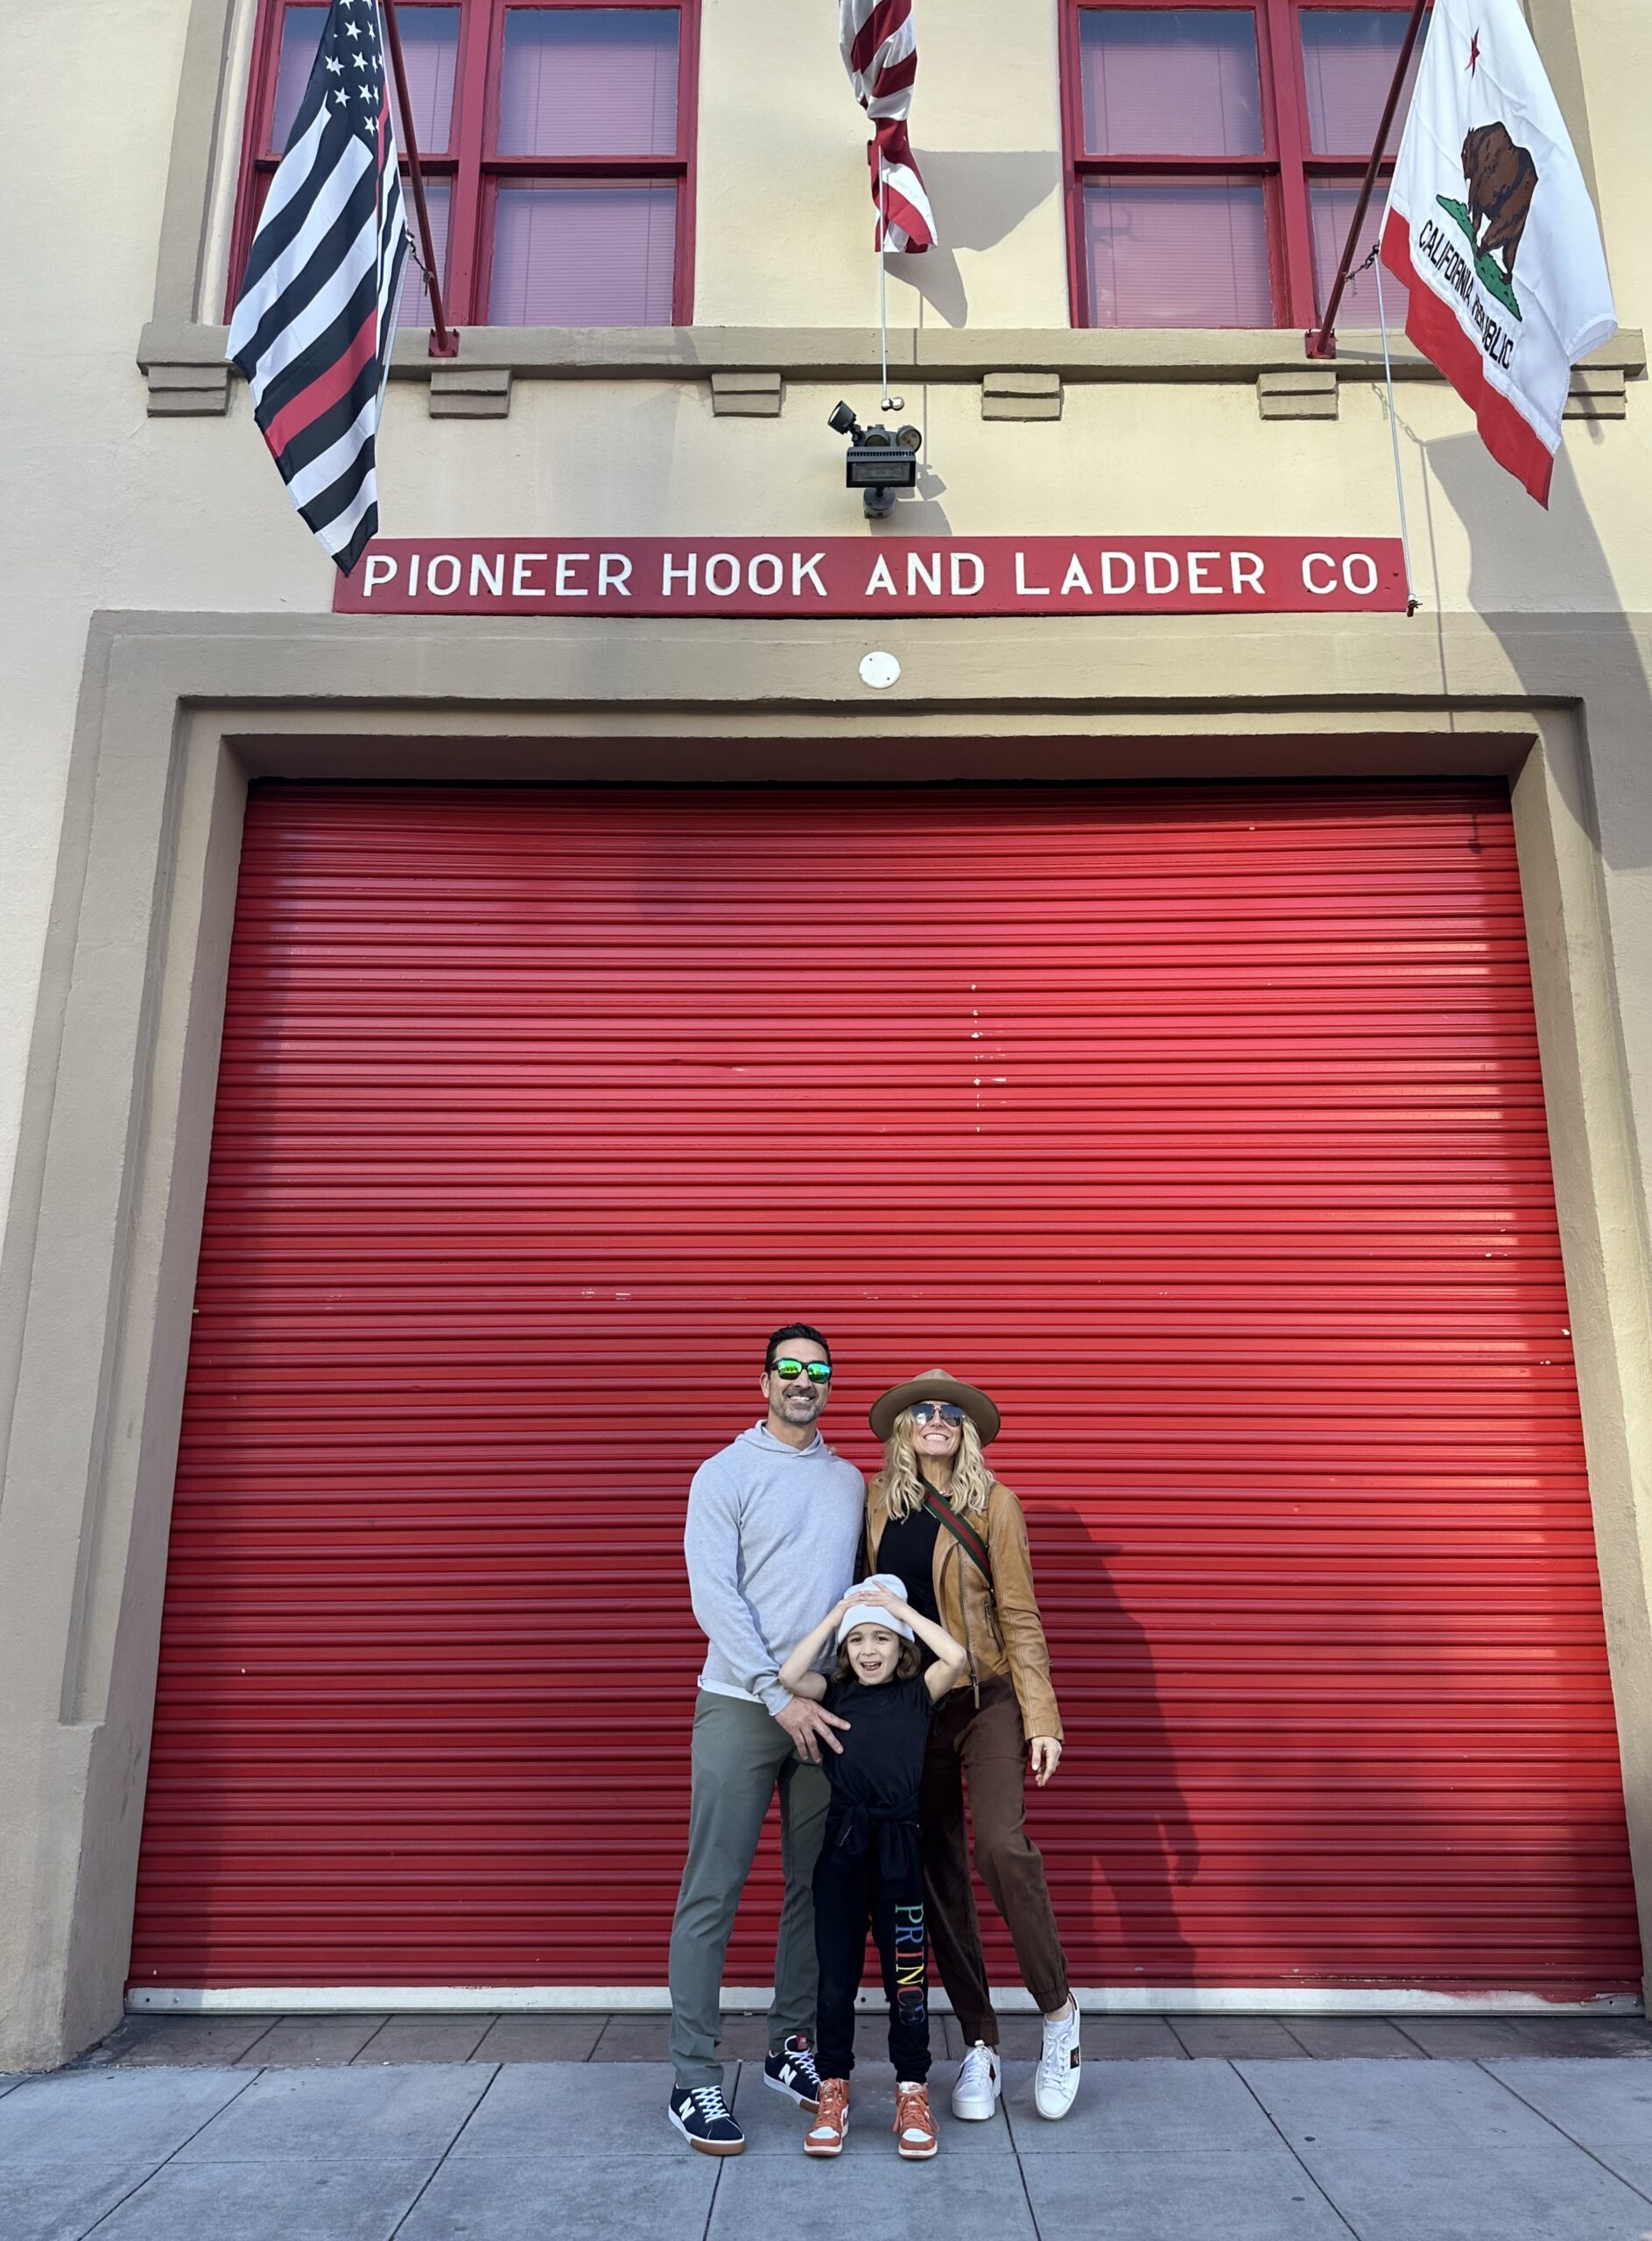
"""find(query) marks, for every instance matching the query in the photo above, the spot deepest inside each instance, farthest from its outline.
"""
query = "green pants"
(742, 1757)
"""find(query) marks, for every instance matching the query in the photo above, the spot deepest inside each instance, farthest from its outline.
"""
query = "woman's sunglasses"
(817, 1372)
(925, 1411)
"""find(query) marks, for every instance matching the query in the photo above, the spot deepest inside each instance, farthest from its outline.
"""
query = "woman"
(935, 1515)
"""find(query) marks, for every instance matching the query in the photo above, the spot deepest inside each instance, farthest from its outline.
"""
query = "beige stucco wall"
(122, 510)
(112, 509)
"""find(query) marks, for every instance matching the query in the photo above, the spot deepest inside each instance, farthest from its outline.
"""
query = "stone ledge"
(1028, 396)
(1597, 393)
(758, 396)
(469, 392)
(188, 388)
(828, 354)
(1311, 395)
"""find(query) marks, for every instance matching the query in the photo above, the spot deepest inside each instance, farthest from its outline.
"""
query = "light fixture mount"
(880, 460)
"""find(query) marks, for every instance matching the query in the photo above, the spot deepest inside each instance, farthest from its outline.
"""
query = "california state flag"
(1490, 227)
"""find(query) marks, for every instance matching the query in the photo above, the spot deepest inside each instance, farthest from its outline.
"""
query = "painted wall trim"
(655, 1999)
(1120, 354)
(177, 708)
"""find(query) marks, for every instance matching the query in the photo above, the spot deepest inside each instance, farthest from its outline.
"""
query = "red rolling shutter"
(1203, 1125)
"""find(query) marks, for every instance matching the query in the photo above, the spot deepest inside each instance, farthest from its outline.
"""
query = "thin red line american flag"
(315, 320)
(880, 53)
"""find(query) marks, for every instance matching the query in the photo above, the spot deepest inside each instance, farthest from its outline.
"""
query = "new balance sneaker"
(1056, 2083)
(793, 2072)
(701, 2115)
(915, 2124)
(825, 2135)
(980, 2081)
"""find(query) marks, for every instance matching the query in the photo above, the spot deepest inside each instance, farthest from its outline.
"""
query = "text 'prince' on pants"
(871, 1873)
(741, 1757)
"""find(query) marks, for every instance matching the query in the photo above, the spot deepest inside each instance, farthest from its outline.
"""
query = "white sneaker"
(979, 2083)
(1057, 2084)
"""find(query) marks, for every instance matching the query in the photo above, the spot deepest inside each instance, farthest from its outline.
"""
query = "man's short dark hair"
(778, 1338)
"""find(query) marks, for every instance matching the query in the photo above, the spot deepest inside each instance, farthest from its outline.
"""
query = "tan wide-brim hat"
(935, 1385)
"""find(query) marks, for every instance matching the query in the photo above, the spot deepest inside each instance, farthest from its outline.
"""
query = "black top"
(907, 1548)
(883, 1756)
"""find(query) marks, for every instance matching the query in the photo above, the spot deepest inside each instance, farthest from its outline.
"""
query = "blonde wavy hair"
(898, 1484)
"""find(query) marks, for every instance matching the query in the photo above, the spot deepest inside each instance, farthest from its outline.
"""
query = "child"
(871, 1861)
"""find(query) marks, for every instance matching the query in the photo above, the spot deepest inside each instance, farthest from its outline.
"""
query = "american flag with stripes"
(316, 315)
(880, 53)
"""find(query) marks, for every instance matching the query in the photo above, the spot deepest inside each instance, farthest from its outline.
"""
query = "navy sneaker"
(701, 2115)
(793, 2072)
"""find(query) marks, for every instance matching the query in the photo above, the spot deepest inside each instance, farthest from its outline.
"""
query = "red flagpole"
(1322, 342)
(444, 342)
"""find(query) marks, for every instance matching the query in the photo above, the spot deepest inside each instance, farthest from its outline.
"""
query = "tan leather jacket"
(1001, 1629)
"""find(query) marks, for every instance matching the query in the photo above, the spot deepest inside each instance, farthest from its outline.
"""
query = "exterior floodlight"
(880, 462)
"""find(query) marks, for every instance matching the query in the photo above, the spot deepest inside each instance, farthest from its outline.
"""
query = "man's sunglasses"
(817, 1372)
(924, 1412)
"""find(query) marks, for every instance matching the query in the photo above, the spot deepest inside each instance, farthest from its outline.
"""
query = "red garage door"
(1204, 1126)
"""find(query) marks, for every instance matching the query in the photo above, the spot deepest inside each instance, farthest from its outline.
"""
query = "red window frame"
(469, 162)
(1286, 167)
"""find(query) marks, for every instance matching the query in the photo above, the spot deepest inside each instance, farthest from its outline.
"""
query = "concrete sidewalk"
(1542, 2148)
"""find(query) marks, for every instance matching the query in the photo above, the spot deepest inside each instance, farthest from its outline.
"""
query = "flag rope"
(1411, 601)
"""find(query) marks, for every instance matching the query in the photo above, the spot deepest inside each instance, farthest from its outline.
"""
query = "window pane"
(1177, 253)
(1348, 59)
(1170, 81)
(588, 81)
(413, 309)
(579, 255)
(1331, 207)
(301, 36)
(430, 49)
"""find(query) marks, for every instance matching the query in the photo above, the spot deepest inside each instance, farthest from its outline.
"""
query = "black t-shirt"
(881, 1760)
(908, 1550)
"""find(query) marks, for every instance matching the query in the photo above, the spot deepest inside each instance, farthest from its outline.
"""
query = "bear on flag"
(1490, 226)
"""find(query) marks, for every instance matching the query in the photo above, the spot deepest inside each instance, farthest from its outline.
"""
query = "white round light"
(879, 670)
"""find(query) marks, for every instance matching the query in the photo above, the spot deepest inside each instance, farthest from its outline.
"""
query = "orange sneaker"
(825, 2135)
(914, 2123)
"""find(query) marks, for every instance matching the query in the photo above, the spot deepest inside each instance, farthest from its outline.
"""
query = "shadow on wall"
(917, 513)
(1533, 577)
(979, 200)
(1137, 1837)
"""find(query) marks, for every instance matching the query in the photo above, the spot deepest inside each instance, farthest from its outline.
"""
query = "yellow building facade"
(171, 640)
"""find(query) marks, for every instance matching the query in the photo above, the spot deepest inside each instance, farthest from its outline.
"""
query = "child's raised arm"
(796, 1673)
(951, 1657)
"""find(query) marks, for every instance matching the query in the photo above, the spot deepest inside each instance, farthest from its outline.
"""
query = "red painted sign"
(875, 576)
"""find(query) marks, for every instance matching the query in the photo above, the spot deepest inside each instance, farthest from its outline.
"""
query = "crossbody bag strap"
(964, 1534)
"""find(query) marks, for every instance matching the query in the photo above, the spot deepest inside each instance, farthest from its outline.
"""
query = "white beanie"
(868, 1614)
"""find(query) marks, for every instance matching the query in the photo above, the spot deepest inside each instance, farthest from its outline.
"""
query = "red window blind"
(1215, 154)
(557, 143)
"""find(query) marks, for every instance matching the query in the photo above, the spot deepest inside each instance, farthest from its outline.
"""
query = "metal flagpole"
(884, 274)
(1411, 601)
(1322, 342)
(444, 342)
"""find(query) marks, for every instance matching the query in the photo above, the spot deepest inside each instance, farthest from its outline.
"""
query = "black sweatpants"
(875, 1878)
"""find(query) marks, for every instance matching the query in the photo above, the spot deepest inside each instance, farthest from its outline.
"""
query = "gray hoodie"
(771, 1541)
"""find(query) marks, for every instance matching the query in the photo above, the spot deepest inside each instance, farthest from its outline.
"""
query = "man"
(774, 1523)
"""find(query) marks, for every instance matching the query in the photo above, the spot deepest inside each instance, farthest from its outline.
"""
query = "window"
(557, 146)
(1215, 153)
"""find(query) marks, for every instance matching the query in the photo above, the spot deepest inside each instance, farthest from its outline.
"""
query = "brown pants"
(984, 1748)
